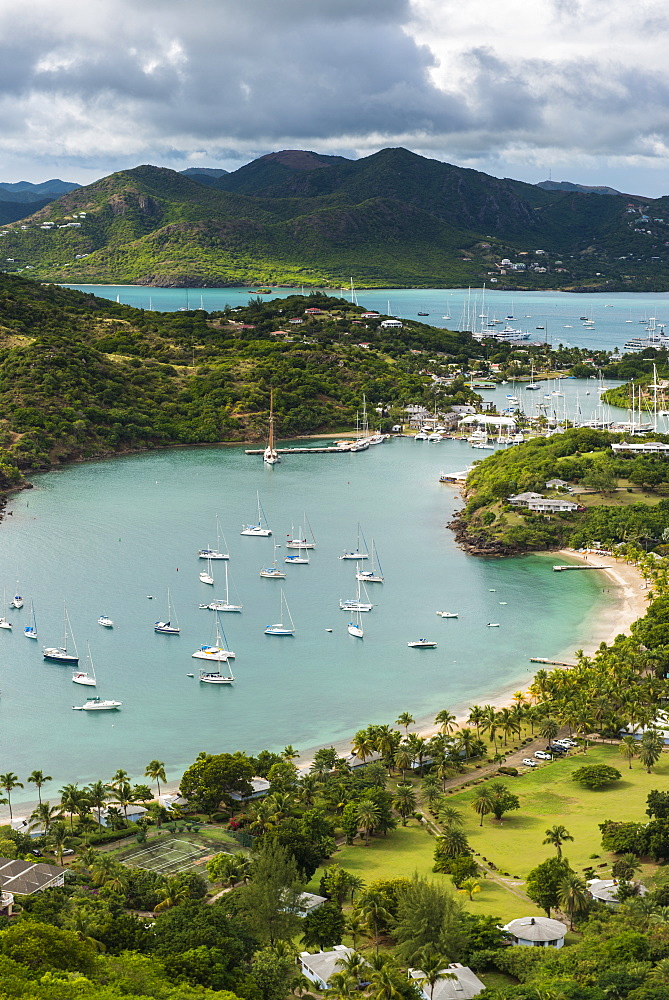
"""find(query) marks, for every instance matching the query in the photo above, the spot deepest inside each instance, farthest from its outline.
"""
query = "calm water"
(617, 315)
(104, 535)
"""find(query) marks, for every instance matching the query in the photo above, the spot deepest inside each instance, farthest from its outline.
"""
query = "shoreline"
(627, 604)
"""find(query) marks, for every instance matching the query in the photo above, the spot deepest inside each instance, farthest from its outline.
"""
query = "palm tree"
(465, 740)
(418, 747)
(549, 729)
(403, 758)
(445, 720)
(44, 816)
(124, 796)
(468, 887)
(39, 778)
(629, 748)
(556, 836)
(58, 839)
(434, 968)
(367, 816)
(452, 842)
(659, 973)
(9, 782)
(71, 800)
(652, 745)
(372, 909)
(308, 787)
(405, 719)
(354, 924)
(625, 866)
(572, 895)
(476, 717)
(450, 817)
(342, 985)
(98, 796)
(405, 801)
(384, 984)
(361, 745)
(482, 802)
(431, 789)
(119, 777)
(290, 753)
(106, 871)
(353, 965)
(174, 892)
(155, 770)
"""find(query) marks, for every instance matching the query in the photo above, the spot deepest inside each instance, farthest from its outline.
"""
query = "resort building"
(260, 787)
(551, 505)
(522, 499)
(605, 890)
(319, 968)
(462, 984)
(537, 932)
(391, 324)
(23, 878)
(557, 484)
(642, 447)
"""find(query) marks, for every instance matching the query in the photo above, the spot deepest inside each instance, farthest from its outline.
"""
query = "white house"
(522, 499)
(557, 484)
(308, 902)
(23, 878)
(537, 932)
(551, 505)
(319, 968)
(134, 812)
(260, 787)
(391, 324)
(642, 447)
(464, 986)
(605, 890)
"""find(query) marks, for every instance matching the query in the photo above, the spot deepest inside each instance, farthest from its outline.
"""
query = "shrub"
(596, 775)
(461, 868)
(507, 769)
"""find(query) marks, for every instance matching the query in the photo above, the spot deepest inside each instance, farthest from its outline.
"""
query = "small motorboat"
(422, 644)
(5, 624)
(97, 705)
(447, 614)
(106, 621)
(492, 625)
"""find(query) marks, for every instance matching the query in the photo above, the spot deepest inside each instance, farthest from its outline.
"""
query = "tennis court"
(168, 857)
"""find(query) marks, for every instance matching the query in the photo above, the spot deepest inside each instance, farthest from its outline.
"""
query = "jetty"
(317, 450)
(553, 663)
(559, 569)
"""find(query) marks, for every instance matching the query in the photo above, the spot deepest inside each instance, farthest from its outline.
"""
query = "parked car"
(36, 854)
(67, 851)
(567, 743)
(542, 755)
(529, 763)
(556, 749)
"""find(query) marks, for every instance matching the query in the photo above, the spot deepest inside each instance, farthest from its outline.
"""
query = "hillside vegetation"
(298, 218)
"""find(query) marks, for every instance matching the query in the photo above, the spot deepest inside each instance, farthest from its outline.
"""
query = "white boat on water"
(98, 705)
(165, 626)
(357, 604)
(300, 541)
(226, 605)
(270, 454)
(355, 628)
(259, 530)
(299, 560)
(373, 575)
(17, 600)
(85, 677)
(421, 436)
(217, 553)
(447, 614)
(5, 624)
(273, 572)
(61, 654)
(422, 644)
(217, 652)
(106, 621)
(30, 631)
(280, 628)
(356, 553)
(216, 676)
(206, 576)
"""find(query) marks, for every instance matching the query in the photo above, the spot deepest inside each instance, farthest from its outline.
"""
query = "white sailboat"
(357, 604)
(85, 677)
(532, 384)
(271, 455)
(273, 572)
(225, 605)
(356, 553)
(355, 628)
(279, 628)
(301, 559)
(61, 654)
(17, 600)
(373, 575)
(300, 541)
(166, 626)
(217, 553)
(257, 530)
(3, 621)
(218, 652)
(206, 576)
(30, 631)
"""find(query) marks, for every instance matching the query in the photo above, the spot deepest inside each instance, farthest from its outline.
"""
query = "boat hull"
(59, 656)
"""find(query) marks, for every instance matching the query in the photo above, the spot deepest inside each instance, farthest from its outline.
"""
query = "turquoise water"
(557, 312)
(104, 535)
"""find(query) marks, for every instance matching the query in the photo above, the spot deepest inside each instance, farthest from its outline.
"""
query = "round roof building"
(541, 932)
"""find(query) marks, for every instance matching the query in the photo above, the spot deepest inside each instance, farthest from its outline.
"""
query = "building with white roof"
(320, 967)
(605, 890)
(537, 932)
(462, 984)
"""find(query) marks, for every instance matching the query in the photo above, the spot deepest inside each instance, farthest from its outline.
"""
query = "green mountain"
(297, 217)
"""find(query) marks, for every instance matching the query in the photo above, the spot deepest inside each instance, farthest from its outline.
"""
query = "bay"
(617, 315)
(104, 535)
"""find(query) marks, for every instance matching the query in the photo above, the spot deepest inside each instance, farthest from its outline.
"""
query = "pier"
(301, 451)
(558, 569)
(553, 663)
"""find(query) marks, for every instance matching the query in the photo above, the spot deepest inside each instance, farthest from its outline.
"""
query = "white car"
(565, 743)
(529, 763)
(542, 755)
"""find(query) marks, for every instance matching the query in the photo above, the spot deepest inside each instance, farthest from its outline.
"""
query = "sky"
(573, 89)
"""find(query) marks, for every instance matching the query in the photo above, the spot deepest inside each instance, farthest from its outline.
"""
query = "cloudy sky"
(522, 88)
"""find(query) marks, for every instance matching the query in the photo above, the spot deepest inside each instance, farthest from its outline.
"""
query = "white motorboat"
(219, 651)
(422, 644)
(373, 575)
(259, 530)
(166, 626)
(85, 677)
(30, 631)
(435, 436)
(493, 625)
(280, 628)
(270, 454)
(273, 572)
(217, 553)
(5, 624)
(420, 436)
(16, 601)
(447, 614)
(98, 705)
(61, 654)
(106, 621)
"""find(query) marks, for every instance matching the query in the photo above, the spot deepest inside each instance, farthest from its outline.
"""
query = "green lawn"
(549, 796)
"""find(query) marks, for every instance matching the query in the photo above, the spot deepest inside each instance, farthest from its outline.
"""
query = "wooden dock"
(554, 663)
(301, 451)
(559, 569)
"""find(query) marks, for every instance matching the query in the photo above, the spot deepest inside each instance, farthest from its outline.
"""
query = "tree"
(403, 758)
(72, 799)
(212, 777)
(43, 816)
(405, 801)
(482, 802)
(155, 770)
(543, 882)
(445, 720)
(272, 898)
(501, 799)
(9, 782)
(39, 778)
(435, 969)
(371, 907)
(549, 729)
(450, 844)
(429, 917)
(572, 895)
(657, 804)
(367, 815)
(652, 745)
(362, 745)
(273, 973)
(629, 748)
(556, 836)
(174, 892)
(405, 719)
(58, 840)
(596, 775)
(98, 793)
(469, 886)
(625, 867)
(41, 948)
(323, 928)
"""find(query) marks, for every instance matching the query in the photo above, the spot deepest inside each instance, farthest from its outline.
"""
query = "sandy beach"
(627, 602)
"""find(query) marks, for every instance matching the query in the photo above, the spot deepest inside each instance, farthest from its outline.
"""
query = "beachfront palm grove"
(418, 848)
